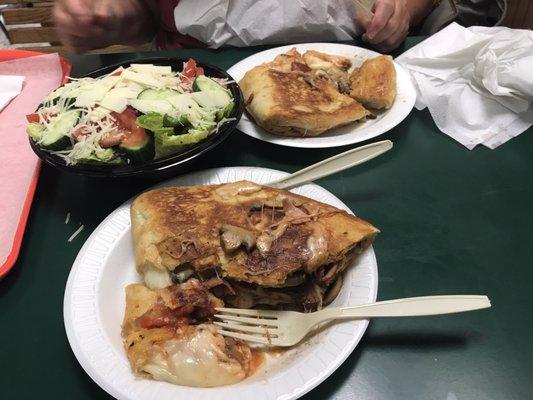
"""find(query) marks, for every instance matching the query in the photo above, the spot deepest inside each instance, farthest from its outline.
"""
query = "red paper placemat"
(19, 167)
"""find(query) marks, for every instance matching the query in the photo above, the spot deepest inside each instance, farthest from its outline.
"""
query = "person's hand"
(91, 24)
(389, 26)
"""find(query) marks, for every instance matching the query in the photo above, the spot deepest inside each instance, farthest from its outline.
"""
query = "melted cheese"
(317, 243)
(243, 188)
(198, 360)
(156, 278)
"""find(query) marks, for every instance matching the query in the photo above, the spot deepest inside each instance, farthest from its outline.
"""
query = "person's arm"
(83, 25)
(392, 20)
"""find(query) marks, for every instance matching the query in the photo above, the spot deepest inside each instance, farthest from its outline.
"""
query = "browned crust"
(374, 83)
(286, 103)
(176, 225)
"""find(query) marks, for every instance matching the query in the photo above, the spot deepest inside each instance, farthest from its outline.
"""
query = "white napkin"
(256, 22)
(477, 82)
(10, 87)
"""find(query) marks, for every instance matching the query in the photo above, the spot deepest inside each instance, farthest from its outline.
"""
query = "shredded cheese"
(67, 218)
(76, 233)
(222, 122)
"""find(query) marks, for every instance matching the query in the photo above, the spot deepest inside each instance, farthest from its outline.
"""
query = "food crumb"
(67, 218)
(76, 233)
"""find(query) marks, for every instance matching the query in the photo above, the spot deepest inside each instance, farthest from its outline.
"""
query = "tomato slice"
(134, 134)
(135, 137)
(126, 119)
(189, 69)
(199, 71)
(116, 73)
(33, 118)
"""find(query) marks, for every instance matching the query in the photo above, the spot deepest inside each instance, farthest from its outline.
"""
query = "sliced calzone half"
(245, 238)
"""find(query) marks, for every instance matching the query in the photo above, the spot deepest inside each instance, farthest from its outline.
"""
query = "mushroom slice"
(294, 280)
(333, 291)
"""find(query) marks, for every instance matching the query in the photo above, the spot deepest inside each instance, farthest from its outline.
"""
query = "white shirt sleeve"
(254, 22)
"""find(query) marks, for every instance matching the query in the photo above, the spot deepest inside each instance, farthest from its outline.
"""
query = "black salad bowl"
(161, 166)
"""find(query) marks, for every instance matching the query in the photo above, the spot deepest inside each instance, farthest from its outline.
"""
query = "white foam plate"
(345, 135)
(94, 307)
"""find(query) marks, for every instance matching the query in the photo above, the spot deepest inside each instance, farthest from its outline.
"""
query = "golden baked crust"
(139, 346)
(374, 83)
(172, 306)
(295, 103)
(176, 226)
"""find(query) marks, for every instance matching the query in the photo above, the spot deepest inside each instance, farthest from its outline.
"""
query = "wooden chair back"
(29, 24)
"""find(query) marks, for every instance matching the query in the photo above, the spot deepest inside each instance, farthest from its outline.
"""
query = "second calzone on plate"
(296, 103)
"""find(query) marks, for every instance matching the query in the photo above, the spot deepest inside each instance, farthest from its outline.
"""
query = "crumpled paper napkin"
(477, 82)
(10, 87)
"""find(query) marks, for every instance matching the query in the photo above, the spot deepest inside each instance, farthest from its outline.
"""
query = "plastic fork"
(332, 165)
(287, 328)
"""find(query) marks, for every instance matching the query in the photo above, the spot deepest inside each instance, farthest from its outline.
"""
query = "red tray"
(6, 55)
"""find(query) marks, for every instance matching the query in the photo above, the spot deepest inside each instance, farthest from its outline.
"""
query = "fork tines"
(260, 326)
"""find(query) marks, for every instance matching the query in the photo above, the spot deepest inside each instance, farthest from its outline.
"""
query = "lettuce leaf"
(171, 144)
(154, 122)
(168, 143)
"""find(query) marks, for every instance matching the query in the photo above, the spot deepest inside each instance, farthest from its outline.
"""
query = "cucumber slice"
(66, 102)
(148, 106)
(55, 136)
(116, 160)
(202, 83)
(140, 152)
(183, 103)
(158, 94)
(60, 143)
(210, 99)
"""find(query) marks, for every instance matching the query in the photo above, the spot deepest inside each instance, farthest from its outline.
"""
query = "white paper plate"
(349, 134)
(94, 307)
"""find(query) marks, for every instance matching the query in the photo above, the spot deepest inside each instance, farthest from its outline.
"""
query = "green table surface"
(453, 221)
